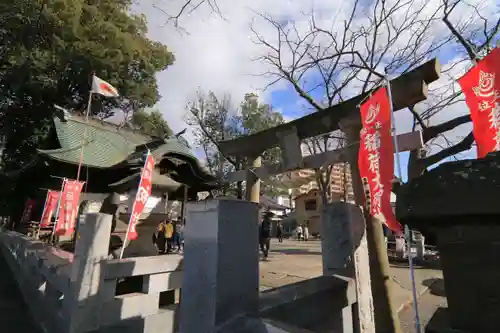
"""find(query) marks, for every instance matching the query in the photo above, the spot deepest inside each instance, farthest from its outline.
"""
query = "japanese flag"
(101, 87)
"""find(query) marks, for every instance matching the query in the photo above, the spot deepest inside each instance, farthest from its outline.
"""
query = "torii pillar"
(252, 192)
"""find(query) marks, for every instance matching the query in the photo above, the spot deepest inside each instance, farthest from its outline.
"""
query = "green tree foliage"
(216, 119)
(48, 52)
(151, 123)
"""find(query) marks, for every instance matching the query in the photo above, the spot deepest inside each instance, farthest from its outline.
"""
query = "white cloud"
(217, 53)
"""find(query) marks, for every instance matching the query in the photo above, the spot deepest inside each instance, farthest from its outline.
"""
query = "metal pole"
(89, 103)
(412, 278)
(53, 237)
(393, 129)
(132, 212)
(183, 207)
(407, 230)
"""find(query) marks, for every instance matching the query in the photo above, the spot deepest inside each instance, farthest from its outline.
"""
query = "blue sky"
(219, 54)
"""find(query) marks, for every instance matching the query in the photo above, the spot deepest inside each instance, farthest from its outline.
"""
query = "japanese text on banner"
(50, 207)
(376, 156)
(70, 198)
(481, 87)
(143, 193)
(28, 209)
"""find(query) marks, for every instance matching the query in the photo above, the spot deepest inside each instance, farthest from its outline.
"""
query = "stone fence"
(219, 275)
(84, 292)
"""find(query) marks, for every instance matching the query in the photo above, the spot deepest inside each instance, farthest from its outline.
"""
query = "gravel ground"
(428, 303)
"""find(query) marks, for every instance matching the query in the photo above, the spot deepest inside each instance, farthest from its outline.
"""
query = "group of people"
(168, 237)
(302, 232)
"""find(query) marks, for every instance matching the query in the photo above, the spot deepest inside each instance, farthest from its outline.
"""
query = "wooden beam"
(406, 142)
(407, 89)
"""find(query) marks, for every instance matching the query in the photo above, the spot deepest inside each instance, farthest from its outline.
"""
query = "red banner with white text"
(481, 87)
(376, 156)
(143, 193)
(50, 207)
(28, 210)
(70, 199)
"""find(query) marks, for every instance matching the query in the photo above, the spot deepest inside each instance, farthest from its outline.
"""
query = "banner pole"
(43, 213)
(407, 230)
(393, 129)
(132, 211)
(53, 237)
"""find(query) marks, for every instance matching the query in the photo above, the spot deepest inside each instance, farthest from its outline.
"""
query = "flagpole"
(87, 113)
(57, 212)
(407, 230)
(133, 207)
(43, 212)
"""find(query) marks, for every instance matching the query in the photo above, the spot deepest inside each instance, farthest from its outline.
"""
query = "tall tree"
(151, 122)
(216, 119)
(49, 52)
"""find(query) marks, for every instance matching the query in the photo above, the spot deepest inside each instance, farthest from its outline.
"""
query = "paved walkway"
(293, 261)
(14, 316)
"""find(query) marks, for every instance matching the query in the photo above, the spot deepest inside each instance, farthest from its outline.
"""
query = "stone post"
(420, 245)
(221, 264)
(400, 247)
(82, 305)
(386, 317)
(345, 252)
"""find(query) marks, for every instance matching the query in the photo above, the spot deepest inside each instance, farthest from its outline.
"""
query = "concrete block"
(345, 252)
(221, 279)
(156, 283)
(165, 321)
(82, 304)
(118, 268)
(128, 306)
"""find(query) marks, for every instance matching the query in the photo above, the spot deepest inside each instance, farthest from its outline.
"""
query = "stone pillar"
(400, 247)
(81, 305)
(420, 245)
(386, 317)
(345, 252)
(253, 182)
(221, 264)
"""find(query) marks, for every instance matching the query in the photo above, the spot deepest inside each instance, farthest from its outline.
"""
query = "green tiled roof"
(105, 145)
(160, 183)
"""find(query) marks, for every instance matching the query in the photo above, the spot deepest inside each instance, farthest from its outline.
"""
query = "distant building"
(303, 181)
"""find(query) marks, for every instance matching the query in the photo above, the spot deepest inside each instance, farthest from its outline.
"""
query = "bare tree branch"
(188, 7)
(448, 8)
(463, 145)
(433, 131)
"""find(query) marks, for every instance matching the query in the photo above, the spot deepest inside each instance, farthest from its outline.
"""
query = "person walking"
(265, 234)
(299, 232)
(159, 237)
(176, 238)
(279, 232)
(169, 234)
(306, 232)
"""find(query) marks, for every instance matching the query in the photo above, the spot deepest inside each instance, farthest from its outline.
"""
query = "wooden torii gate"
(407, 90)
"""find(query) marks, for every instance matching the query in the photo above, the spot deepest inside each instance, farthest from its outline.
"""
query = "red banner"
(50, 207)
(70, 199)
(28, 210)
(143, 193)
(481, 87)
(376, 156)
